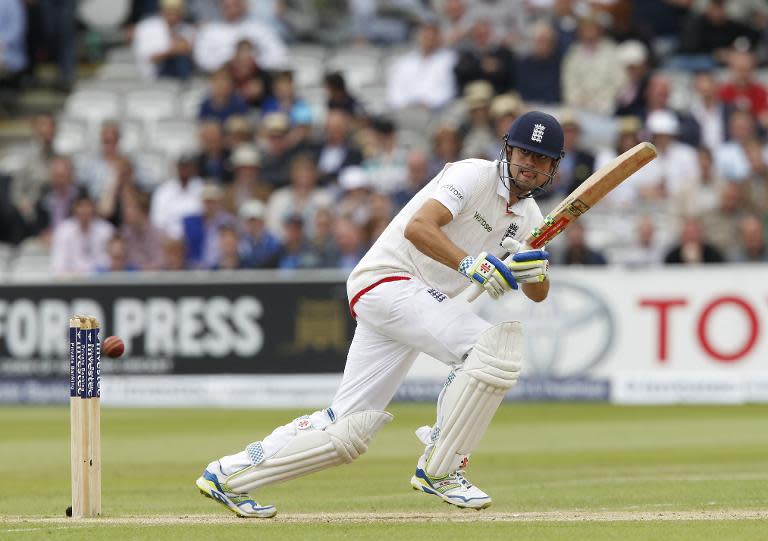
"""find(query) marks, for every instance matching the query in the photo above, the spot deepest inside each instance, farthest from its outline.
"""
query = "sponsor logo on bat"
(577, 207)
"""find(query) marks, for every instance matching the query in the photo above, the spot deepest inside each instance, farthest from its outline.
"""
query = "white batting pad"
(309, 449)
(471, 399)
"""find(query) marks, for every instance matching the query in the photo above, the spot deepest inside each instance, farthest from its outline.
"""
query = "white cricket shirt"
(473, 192)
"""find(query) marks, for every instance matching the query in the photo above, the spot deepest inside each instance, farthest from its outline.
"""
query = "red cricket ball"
(113, 347)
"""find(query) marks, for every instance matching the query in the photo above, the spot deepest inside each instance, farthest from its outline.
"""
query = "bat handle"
(477, 289)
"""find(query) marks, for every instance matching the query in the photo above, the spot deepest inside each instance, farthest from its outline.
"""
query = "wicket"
(85, 415)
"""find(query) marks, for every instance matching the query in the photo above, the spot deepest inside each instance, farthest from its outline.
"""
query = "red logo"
(486, 267)
(303, 424)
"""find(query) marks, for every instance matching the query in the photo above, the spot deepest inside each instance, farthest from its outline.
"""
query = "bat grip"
(477, 289)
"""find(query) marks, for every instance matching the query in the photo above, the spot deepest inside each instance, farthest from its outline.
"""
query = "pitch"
(555, 471)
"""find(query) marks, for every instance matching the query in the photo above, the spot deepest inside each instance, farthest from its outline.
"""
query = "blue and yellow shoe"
(453, 488)
(211, 485)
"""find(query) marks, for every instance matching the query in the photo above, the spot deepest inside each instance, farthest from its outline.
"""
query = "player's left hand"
(529, 266)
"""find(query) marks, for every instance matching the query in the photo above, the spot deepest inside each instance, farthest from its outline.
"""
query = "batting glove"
(490, 272)
(529, 266)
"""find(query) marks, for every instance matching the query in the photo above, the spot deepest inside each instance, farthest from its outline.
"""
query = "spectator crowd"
(274, 181)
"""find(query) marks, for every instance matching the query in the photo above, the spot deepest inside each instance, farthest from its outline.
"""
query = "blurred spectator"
(355, 195)
(721, 224)
(504, 110)
(238, 130)
(384, 23)
(418, 177)
(174, 255)
(323, 241)
(692, 248)
(259, 249)
(213, 160)
(217, 40)
(30, 181)
(660, 18)
(337, 151)
(277, 149)
(201, 231)
(674, 177)
(539, 70)
(446, 148)
(484, 58)
(731, 156)
(222, 101)
(386, 168)
(657, 99)
(644, 251)
(13, 54)
(97, 170)
(11, 226)
(477, 132)
(577, 251)
(143, 241)
(456, 22)
(228, 251)
(756, 185)
(296, 251)
(577, 163)
(59, 18)
(162, 43)
(742, 90)
(79, 244)
(624, 195)
(708, 110)
(285, 100)
(55, 202)
(117, 254)
(381, 208)
(633, 55)
(301, 198)
(424, 76)
(176, 198)
(339, 96)
(251, 81)
(121, 185)
(350, 240)
(708, 36)
(592, 73)
(247, 183)
(751, 247)
(711, 181)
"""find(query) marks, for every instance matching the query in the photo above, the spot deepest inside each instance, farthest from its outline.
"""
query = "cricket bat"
(583, 198)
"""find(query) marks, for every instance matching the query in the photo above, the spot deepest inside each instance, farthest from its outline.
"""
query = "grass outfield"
(555, 471)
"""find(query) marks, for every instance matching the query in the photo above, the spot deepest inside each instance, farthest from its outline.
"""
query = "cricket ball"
(113, 347)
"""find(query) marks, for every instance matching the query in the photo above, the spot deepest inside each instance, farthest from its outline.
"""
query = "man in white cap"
(674, 177)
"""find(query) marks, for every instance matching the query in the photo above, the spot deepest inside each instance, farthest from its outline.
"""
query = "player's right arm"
(424, 230)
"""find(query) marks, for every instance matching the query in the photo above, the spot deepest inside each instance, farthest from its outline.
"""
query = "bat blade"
(590, 192)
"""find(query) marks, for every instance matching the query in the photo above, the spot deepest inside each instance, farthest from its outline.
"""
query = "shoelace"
(463, 480)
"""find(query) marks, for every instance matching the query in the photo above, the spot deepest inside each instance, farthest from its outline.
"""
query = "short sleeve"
(456, 185)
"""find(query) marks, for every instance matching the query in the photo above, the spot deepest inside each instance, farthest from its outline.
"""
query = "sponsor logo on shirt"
(454, 190)
(482, 221)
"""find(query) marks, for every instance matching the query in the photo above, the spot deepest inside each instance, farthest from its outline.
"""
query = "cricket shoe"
(453, 488)
(212, 484)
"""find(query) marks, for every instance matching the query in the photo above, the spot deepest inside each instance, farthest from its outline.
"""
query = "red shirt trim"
(370, 287)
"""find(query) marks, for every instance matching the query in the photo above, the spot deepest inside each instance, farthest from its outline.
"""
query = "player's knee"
(497, 356)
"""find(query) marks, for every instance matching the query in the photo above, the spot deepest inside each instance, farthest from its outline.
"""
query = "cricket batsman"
(450, 235)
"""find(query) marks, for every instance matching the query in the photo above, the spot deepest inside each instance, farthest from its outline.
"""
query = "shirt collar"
(503, 192)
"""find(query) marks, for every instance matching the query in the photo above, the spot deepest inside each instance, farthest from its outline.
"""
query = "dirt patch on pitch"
(457, 516)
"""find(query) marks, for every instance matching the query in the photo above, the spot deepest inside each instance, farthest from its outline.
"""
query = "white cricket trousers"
(395, 322)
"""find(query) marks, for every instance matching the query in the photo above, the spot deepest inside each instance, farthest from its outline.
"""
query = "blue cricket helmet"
(537, 132)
